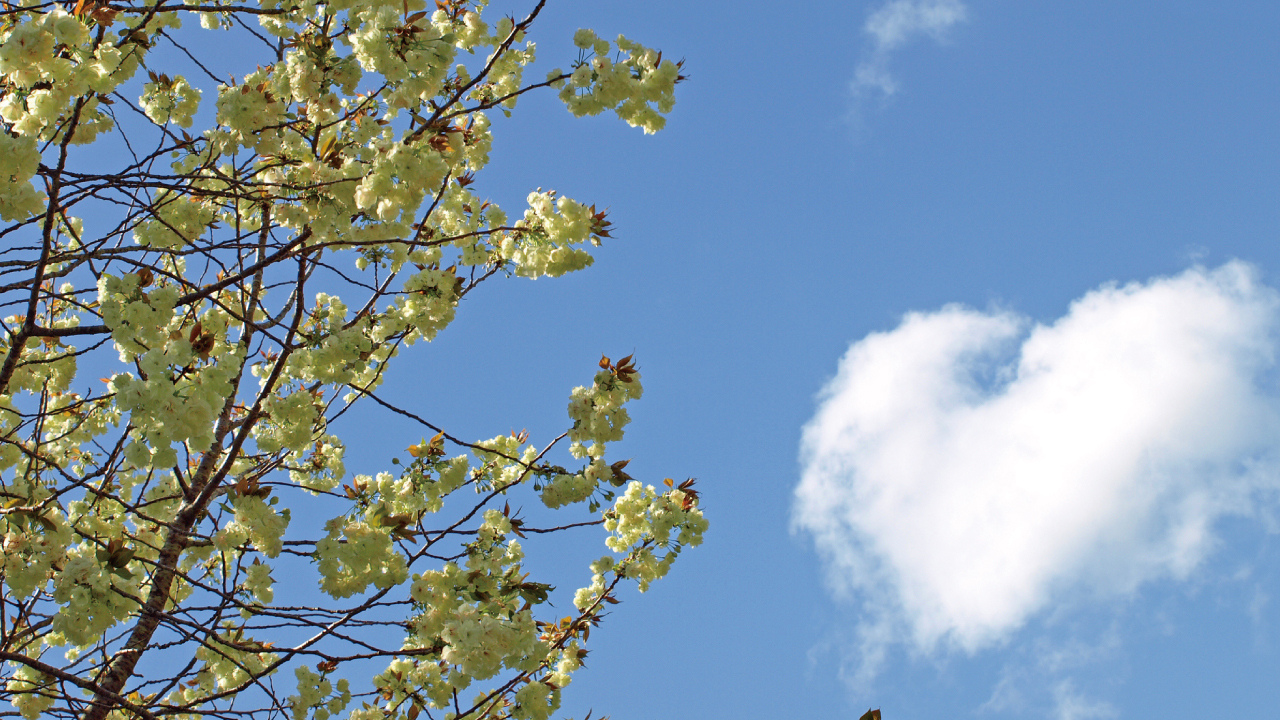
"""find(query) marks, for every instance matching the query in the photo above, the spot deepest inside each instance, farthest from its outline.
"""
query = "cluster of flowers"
(323, 468)
(479, 620)
(258, 582)
(643, 519)
(425, 306)
(255, 521)
(178, 220)
(29, 556)
(356, 554)
(69, 422)
(232, 659)
(598, 414)
(19, 161)
(565, 489)
(641, 524)
(337, 351)
(345, 171)
(291, 422)
(55, 68)
(172, 401)
(546, 238)
(504, 461)
(95, 560)
(639, 86)
(170, 100)
(317, 697)
(33, 692)
(93, 598)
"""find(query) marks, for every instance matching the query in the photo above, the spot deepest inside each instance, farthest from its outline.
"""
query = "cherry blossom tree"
(238, 291)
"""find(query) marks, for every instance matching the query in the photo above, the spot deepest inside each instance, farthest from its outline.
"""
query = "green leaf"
(121, 557)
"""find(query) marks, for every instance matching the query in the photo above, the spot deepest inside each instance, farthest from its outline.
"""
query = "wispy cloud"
(1038, 680)
(969, 469)
(894, 25)
(1070, 704)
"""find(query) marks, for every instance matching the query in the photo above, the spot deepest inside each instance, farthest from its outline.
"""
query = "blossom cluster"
(258, 522)
(57, 70)
(546, 239)
(649, 529)
(318, 697)
(93, 598)
(168, 100)
(169, 400)
(33, 692)
(29, 557)
(478, 618)
(19, 161)
(597, 412)
(217, 304)
(231, 658)
(354, 555)
(638, 85)
(178, 220)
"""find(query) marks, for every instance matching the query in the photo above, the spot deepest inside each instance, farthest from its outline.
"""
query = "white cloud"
(892, 26)
(968, 470)
(1071, 705)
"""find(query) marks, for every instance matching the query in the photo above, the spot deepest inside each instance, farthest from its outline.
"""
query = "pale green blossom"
(174, 482)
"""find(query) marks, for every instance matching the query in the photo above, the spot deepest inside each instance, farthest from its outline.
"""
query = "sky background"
(829, 168)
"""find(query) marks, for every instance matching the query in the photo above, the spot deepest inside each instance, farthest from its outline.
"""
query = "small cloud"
(1071, 705)
(1006, 696)
(1195, 254)
(893, 26)
(1258, 605)
(1037, 679)
(969, 470)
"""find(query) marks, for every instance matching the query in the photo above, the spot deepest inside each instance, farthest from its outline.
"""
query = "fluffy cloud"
(892, 26)
(968, 469)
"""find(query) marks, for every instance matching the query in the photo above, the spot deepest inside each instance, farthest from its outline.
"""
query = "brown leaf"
(871, 715)
(620, 475)
(203, 345)
(436, 445)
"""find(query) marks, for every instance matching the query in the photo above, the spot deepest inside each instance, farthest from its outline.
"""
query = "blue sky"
(1027, 155)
